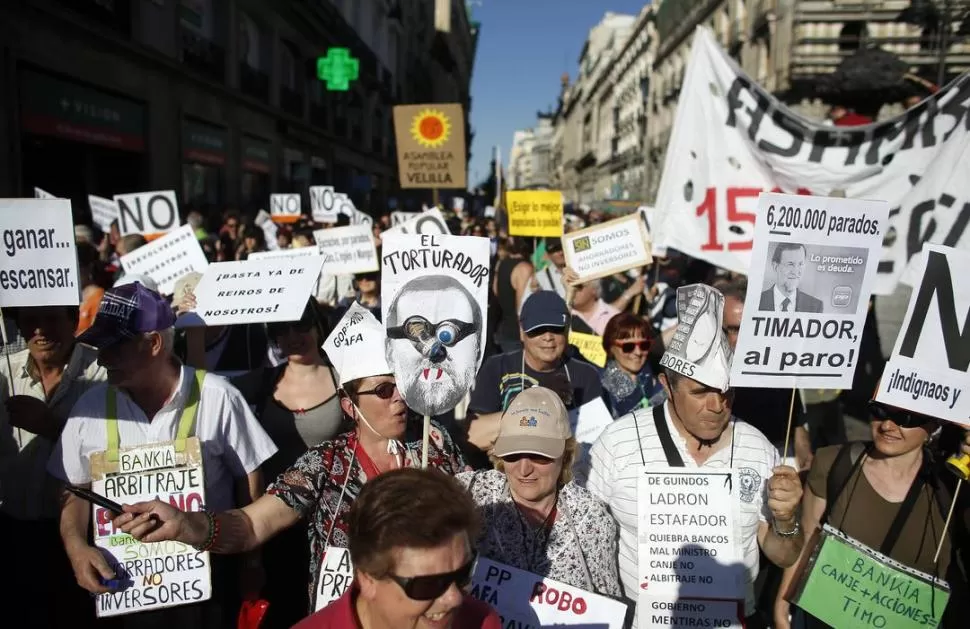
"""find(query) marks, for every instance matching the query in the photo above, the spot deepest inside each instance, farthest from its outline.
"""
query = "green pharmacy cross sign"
(338, 69)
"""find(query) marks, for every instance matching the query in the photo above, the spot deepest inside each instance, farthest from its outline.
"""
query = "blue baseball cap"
(124, 313)
(543, 309)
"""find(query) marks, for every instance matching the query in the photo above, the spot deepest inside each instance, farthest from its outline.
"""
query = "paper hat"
(356, 346)
(536, 422)
(699, 349)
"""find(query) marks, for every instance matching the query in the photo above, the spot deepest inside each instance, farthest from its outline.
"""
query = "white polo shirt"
(614, 466)
(233, 442)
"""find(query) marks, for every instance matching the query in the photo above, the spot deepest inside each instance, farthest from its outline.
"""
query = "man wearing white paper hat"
(695, 429)
(327, 479)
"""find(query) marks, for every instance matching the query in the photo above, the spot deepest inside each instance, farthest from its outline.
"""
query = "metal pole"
(941, 73)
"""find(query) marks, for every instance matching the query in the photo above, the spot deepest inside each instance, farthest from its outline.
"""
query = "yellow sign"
(430, 145)
(590, 346)
(534, 212)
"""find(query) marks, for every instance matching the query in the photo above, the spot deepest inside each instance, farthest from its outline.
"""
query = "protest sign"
(699, 349)
(347, 250)
(927, 371)
(38, 266)
(589, 420)
(253, 291)
(534, 212)
(430, 145)
(590, 346)
(607, 248)
(43, 194)
(148, 213)
(285, 208)
(399, 218)
(527, 600)
(430, 222)
(336, 575)
(103, 212)
(167, 259)
(655, 612)
(270, 231)
(161, 574)
(814, 266)
(689, 535)
(299, 252)
(731, 140)
(323, 204)
(850, 585)
(434, 299)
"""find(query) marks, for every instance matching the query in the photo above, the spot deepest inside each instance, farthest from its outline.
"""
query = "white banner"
(38, 263)
(808, 295)
(430, 222)
(732, 140)
(103, 212)
(323, 204)
(611, 247)
(167, 259)
(347, 250)
(148, 213)
(927, 372)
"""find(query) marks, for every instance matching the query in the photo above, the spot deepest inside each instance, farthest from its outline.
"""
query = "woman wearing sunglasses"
(628, 380)
(891, 494)
(536, 518)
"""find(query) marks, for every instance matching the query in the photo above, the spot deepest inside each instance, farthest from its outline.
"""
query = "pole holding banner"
(425, 442)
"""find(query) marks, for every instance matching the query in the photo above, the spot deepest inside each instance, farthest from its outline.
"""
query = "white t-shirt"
(233, 442)
(614, 466)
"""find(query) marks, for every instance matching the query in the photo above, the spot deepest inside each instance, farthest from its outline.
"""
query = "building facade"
(530, 158)
(216, 99)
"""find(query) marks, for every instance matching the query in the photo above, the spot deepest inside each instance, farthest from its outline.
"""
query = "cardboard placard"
(285, 208)
(148, 213)
(430, 222)
(167, 259)
(336, 576)
(430, 145)
(590, 346)
(347, 250)
(103, 212)
(607, 248)
(323, 204)
(534, 212)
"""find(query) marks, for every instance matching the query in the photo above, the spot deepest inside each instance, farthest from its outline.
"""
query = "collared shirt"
(600, 317)
(26, 491)
(233, 442)
(614, 467)
(579, 549)
(780, 298)
(327, 479)
(550, 278)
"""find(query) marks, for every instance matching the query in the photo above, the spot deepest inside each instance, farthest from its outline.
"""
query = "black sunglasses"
(448, 332)
(384, 390)
(536, 332)
(628, 346)
(428, 587)
(900, 417)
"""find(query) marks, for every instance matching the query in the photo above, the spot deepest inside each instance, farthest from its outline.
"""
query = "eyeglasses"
(418, 329)
(428, 587)
(553, 329)
(384, 390)
(627, 347)
(900, 417)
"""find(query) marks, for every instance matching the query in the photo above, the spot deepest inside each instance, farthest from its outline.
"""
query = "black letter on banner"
(793, 126)
(734, 102)
(125, 213)
(172, 216)
(937, 281)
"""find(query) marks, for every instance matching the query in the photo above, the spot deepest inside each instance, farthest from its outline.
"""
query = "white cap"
(131, 278)
(699, 349)
(356, 346)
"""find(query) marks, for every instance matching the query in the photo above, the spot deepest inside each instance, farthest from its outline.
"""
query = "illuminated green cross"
(338, 69)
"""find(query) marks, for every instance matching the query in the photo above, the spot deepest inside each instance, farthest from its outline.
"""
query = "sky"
(524, 47)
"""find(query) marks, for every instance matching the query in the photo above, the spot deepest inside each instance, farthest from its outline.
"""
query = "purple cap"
(124, 313)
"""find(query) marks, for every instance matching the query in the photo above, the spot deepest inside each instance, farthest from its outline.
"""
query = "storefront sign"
(204, 144)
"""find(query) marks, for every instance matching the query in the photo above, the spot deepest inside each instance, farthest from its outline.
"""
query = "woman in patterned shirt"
(535, 518)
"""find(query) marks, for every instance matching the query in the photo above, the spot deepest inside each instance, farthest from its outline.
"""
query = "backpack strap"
(666, 441)
(848, 458)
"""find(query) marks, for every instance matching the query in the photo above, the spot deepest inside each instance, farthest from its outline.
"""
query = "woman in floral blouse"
(535, 518)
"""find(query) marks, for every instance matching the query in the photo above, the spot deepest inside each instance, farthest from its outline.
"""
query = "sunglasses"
(627, 347)
(535, 458)
(448, 332)
(900, 417)
(384, 390)
(428, 587)
(279, 329)
(547, 328)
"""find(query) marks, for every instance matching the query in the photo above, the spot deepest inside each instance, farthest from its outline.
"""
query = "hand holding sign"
(784, 493)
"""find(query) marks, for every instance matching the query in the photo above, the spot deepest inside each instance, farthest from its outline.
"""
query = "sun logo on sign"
(431, 128)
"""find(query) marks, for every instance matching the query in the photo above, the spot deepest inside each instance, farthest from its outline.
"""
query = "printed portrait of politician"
(434, 335)
(787, 266)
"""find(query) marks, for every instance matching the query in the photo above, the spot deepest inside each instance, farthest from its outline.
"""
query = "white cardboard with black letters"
(347, 250)
(323, 204)
(285, 207)
(658, 612)
(103, 212)
(430, 222)
(167, 259)
(336, 575)
(147, 213)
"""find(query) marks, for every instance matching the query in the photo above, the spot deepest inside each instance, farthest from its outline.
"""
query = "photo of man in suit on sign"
(788, 265)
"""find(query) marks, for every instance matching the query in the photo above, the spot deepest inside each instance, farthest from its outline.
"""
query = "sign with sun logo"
(430, 145)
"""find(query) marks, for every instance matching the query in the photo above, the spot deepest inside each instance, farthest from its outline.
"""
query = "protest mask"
(699, 348)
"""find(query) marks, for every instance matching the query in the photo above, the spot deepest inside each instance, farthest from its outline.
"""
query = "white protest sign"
(814, 268)
(336, 575)
(359, 218)
(323, 204)
(607, 248)
(399, 218)
(285, 208)
(161, 574)
(589, 420)
(430, 222)
(526, 600)
(43, 194)
(439, 285)
(689, 538)
(347, 250)
(148, 213)
(103, 212)
(270, 230)
(928, 370)
(299, 252)
(38, 265)
(253, 291)
(167, 259)
(345, 205)
(658, 612)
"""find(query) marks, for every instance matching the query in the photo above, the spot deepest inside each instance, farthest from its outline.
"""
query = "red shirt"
(340, 614)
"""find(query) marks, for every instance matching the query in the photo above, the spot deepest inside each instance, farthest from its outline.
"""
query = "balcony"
(202, 55)
(253, 83)
(291, 101)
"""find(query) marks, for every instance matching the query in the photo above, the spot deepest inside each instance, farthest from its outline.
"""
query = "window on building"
(288, 65)
(852, 36)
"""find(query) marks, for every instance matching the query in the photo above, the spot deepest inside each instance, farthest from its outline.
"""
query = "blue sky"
(523, 49)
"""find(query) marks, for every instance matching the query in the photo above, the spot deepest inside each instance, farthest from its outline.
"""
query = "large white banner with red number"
(732, 140)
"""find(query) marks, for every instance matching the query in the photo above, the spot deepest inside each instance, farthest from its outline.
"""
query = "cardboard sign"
(167, 259)
(43, 194)
(534, 212)
(323, 204)
(103, 212)
(336, 575)
(439, 285)
(399, 218)
(163, 574)
(347, 250)
(270, 231)
(814, 268)
(927, 371)
(589, 420)
(430, 145)
(285, 208)
(300, 252)
(607, 248)
(656, 612)
(430, 222)
(253, 291)
(38, 262)
(524, 599)
(590, 346)
(148, 213)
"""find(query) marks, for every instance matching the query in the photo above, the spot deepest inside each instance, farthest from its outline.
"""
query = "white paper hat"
(356, 346)
(699, 349)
